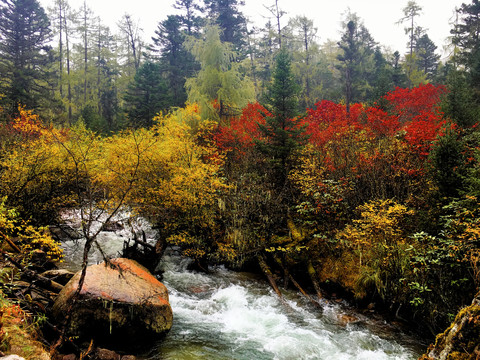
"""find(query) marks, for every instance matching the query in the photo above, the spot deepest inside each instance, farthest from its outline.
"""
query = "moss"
(18, 332)
(462, 338)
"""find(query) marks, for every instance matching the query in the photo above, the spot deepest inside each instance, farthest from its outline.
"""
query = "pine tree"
(189, 18)
(351, 54)
(410, 12)
(231, 21)
(466, 38)
(146, 96)
(282, 132)
(25, 54)
(426, 58)
(177, 63)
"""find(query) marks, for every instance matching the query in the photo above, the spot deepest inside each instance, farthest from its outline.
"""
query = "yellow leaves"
(176, 169)
(169, 173)
(380, 224)
(309, 173)
(192, 246)
(226, 252)
(26, 236)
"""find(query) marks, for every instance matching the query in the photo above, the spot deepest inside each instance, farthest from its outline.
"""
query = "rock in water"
(121, 304)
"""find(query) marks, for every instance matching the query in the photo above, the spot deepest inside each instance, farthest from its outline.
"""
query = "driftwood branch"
(295, 283)
(39, 280)
(314, 278)
(268, 273)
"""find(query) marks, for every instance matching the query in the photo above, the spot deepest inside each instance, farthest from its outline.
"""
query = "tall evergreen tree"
(459, 104)
(231, 21)
(146, 96)
(25, 54)
(466, 38)
(189, 19)
(282, 132)
(399, 77)
(349, 58)
(178, 63)
(426, 58)
(382, 78)
(466, 34)
(410, 12)
(356, 60)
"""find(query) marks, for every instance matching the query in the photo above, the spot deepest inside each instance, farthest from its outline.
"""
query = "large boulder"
(120, 304)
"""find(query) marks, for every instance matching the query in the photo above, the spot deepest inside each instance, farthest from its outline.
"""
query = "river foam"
(226, 315)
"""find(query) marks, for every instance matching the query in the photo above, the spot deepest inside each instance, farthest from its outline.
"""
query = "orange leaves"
(27, 123)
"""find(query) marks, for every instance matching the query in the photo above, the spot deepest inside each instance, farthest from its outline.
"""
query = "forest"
(334, 167)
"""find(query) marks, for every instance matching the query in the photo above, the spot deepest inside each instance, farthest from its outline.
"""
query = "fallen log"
(268, 273)
(295, 283)
(39, 280)
(314, 278)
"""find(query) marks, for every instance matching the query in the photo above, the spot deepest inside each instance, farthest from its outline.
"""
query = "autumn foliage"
(361, 190)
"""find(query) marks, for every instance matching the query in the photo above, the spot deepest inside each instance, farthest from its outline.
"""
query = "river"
(231, 315)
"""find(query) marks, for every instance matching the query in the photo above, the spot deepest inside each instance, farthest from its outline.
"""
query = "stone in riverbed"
(61, 276)
(121, 304)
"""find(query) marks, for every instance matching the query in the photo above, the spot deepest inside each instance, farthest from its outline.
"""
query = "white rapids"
(229, 315)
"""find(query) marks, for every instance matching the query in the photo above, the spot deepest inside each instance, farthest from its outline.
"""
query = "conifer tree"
(177, 63)
(426, 57)
(146, 96)
(219, 87)
(357, 60)
(282, 132)
(231, 21)
(25, 54)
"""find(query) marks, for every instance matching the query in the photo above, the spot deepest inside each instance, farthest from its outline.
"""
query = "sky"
(379, 16)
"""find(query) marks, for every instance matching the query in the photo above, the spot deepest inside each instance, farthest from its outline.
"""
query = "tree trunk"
(268, 273)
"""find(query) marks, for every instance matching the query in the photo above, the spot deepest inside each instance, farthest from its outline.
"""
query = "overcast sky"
(379, 16)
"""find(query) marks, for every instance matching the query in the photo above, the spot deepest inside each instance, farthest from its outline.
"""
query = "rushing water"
(231, 315)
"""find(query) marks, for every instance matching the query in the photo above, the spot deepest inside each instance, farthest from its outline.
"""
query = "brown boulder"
(60, 276)
(121, 304)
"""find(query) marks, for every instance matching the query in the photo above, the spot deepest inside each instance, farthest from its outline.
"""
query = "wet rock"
(61, 276)
(11, 357)
(121, 305)
(461, 339)
(345, 319)
(105, 354)
(112, 226)
(128, 357)
(70, 357)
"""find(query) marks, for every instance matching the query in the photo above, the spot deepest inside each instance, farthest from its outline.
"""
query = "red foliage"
(410, 103)
(242, 132)
(418, 109)
(330, 121)
(415, 111)
(381, 123)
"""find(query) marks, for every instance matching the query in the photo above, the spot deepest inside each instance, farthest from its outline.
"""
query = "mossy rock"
(461, 341)
(120, 303)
